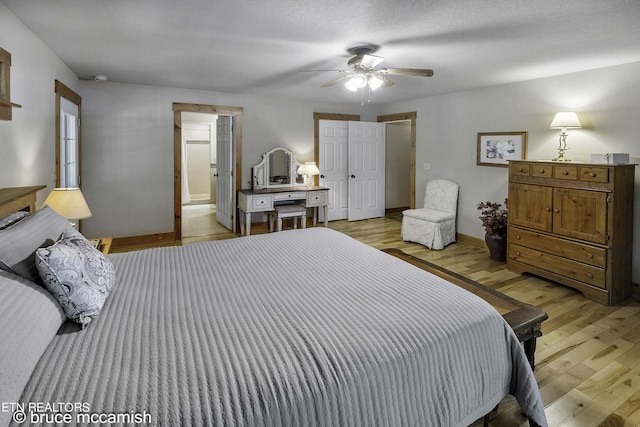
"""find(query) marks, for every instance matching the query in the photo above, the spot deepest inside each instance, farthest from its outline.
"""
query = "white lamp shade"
(565, 120)
(375, 81)
(356, 82)
(68, 202)
(309, 169)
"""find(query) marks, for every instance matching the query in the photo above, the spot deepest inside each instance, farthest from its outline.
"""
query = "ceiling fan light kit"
(362, 73)
(356, 82)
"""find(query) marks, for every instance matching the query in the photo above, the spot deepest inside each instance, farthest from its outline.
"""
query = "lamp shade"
(68, 202)
(309, 169)
(565, 120)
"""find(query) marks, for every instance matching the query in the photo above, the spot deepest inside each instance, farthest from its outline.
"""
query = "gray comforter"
(262, 331)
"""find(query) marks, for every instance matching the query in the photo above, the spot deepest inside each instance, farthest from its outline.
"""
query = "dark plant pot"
(497, 245)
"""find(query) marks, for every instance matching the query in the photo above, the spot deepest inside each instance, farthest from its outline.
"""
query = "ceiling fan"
(362, 72)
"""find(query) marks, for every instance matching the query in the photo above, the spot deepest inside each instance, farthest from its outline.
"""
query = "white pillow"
(18, 242)
(78, 275)
(30, 318)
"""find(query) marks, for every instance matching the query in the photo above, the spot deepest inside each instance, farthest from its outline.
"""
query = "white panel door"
(366, 170)
(334, 166)
(224, 185)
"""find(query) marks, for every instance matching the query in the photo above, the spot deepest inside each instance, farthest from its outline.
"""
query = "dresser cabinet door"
(581, 214)
(531, 206)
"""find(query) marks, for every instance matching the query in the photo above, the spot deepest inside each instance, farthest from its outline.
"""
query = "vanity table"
(264, 200)
(275, 180)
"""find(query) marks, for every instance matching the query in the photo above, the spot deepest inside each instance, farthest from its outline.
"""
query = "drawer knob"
(589, 255)
(593, 174)
(518, 236)
(565, 173)
(547, 209)
(521, 170)
(590, 275)
(541, 171)
(518, 253)
(556, 210)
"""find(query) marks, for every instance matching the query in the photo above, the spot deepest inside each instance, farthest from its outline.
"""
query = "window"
(68, 104)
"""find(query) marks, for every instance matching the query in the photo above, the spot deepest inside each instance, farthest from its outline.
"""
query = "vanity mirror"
(278, 168)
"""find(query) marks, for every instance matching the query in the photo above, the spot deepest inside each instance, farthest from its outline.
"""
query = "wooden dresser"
(573, 223)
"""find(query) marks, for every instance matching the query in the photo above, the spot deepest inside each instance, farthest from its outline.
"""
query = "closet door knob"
(321, 176)
(353, 176)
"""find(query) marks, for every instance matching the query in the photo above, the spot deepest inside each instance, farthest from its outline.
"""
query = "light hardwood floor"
(587, 361)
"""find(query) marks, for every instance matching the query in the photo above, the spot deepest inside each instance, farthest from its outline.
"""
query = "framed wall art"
(497, 148)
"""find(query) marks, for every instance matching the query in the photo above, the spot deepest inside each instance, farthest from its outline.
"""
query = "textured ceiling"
(259, 47)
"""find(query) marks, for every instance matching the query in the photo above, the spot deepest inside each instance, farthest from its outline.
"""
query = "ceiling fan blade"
(364, 61)
(370, 61)
(334, 81)
(418, 72)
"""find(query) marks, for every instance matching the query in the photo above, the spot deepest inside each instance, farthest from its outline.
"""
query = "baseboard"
(472, 240)
(395, 210)
(124, 244)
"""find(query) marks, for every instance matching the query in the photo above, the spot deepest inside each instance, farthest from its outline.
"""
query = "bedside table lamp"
(69, 203)
(564, 121)
(309, 169)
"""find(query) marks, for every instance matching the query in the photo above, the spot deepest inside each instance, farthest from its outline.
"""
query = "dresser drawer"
(580, 252)
(594, 174)
(263, 202)
(565, 172)
(565, 267)
(520, 169)
(298, 195)
(542, 170)
(317, 198)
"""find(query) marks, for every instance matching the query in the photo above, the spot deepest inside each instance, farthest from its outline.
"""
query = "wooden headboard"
(18, 199)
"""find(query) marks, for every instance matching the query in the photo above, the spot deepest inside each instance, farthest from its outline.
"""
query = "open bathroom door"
(224, 186)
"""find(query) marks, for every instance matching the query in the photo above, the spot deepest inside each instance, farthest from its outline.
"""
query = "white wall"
(28, 141)
(607, 101)
(127, 147)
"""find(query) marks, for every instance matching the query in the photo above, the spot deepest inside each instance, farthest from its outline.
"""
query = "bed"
(259, 331)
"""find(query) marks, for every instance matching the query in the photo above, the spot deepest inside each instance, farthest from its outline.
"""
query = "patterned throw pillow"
(79, 276)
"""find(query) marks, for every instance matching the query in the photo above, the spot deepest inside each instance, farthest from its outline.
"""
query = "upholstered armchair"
(434, 225)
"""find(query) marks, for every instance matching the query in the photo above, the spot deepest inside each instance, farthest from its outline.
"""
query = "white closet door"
(351, 164)
(334, 166)
(366, 170)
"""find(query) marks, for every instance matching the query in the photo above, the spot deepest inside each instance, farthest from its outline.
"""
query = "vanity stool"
(281, 212)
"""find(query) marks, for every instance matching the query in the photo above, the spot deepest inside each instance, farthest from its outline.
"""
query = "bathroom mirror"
(278, 168)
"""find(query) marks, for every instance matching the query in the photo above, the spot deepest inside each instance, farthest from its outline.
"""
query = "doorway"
(199, 175)
(403, 129)
(228, 138)
(405, 119)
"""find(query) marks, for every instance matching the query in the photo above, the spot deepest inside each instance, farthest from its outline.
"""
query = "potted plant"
(494, 221)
